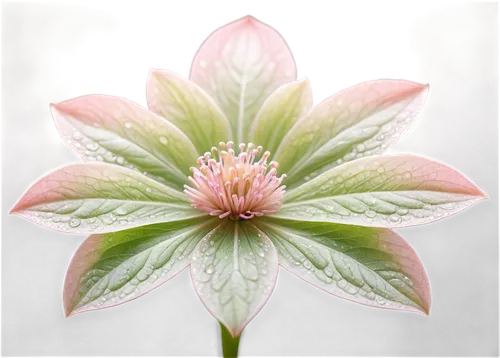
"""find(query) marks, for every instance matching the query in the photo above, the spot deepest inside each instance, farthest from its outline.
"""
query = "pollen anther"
(236, 186)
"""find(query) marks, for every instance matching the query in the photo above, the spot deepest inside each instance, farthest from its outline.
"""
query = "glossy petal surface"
(234, 271)
(372, 266)
(110, 269)
(363, 120)
(239, 65)
(384, 191)
(118, 131)
(187, 106)
(279, 113)
(101, 197)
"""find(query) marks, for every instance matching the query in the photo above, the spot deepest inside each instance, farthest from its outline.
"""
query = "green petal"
(385, 191)
(114, 268)
(372, 266)
(360, 121)
(101, 197)
(188, 107)
(118, 131)
(234, 271)
(279, 113)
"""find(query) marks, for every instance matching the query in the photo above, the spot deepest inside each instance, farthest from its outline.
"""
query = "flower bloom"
(236, 186)
(164, 188)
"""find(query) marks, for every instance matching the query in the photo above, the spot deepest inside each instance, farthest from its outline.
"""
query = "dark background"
(338, 42)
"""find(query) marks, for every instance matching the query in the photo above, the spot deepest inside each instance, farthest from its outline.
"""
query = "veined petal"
(118, 131)
(360, 121)
(372, 266)
(384, 191)
(239, 65)
(234, 270)
(101, 197)
(279, 113)
(187, 106)
(114, 268)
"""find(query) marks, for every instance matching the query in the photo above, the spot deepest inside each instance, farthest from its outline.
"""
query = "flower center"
(236, 186)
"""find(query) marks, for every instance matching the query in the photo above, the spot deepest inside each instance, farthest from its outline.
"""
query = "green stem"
(229, 343)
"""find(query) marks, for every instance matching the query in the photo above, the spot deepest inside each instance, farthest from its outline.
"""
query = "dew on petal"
(163, 140)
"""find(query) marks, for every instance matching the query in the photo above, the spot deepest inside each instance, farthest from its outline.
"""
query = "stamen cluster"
(236, 186)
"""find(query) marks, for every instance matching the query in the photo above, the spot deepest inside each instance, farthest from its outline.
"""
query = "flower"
(151, 212)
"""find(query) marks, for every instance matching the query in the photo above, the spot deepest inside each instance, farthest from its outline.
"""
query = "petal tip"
(15, 209)
(69, 314)
(425, 311)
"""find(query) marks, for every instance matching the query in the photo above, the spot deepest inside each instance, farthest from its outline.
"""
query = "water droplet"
(360, 147)
(107, 221)
(148, 190)
(342, 283)
(210, 269)
(386, 128)
(395, 218)
(120, 211)
(328, 271)
(92, 146)
(370, 213)
(77, 136)
(402, 211)
(370, 295)
(163, 140)
(128, 125)
(449, 206)
(120, 161)
(75, 222)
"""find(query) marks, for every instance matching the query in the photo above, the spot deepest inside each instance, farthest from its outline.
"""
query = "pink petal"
(239, 65)
(119, 131)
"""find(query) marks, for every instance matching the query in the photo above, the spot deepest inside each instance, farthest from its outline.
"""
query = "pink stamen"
(236, 186)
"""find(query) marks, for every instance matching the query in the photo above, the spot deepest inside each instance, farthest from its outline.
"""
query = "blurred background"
(54, 52)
